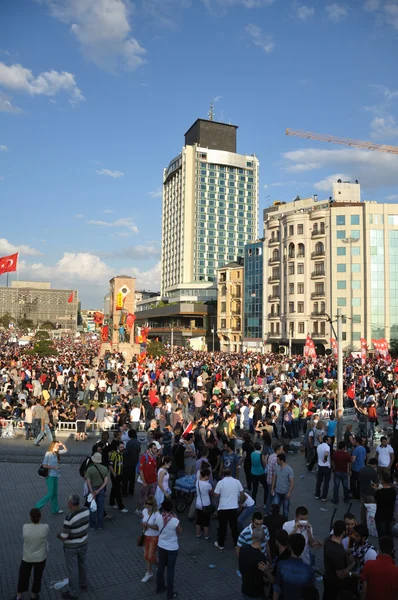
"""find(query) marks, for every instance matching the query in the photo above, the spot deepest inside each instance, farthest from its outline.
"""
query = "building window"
(291, 268)
(355, 251)
(356, 319)
(272, 328)
(356, 285)
(300, 288)
(301, 327)
(355, 302)
(319, 268)
(341, 285)
(341, 251)
(340, 233)
(223, 307)
(300, 307)
(300, 268)
(344, 336)
(301, 251)
(291, 307)
(291, 288)
(356, 268)
(341, 301)
(300, 229)
(341, 268)
(392, 219)
(355, 234)
(291, 229)
(285, 231)
(223, 323)
(354, 219)
(340, 220)
(291, 251)
(319, 249)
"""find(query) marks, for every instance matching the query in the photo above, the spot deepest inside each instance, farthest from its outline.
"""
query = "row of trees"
(24, 324)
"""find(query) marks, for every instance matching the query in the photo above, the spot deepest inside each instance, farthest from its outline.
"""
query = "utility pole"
(213, 332)
(290, 344)
(172, 338)
(339, 361)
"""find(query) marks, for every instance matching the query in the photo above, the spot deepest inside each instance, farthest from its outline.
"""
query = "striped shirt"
(246, 537)
(75, 530)
(116, 461)
(272, 462)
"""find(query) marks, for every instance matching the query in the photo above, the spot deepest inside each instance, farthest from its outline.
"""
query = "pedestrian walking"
(97, 478)
(51, 462)
(116, 472)
(34, 555)
(230, 493)
(282, 484)
(41, 413)
(130, 460)
(324, 470)
(151, 534)
(341, 466)
(169, 530)
(74, 536)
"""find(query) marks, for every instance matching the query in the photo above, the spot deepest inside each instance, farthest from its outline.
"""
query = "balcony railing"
(318, 334)
(318, 254)
(317, 233)
(274, 241)
(316, 314)
(274, 297)
(273, 261)
(318, 294)
(274, 315)
(274, 279)
(318, 273)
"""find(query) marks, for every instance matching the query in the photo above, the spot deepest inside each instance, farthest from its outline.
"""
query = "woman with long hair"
(163, 491)
(203, 500)
(151, 533)
(34, 555)
(51, 463)
(169, 530)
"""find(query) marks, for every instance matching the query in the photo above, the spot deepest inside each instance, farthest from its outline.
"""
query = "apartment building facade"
(230, 305)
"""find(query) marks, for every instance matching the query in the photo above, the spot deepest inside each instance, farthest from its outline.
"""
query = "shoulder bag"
(210, 508)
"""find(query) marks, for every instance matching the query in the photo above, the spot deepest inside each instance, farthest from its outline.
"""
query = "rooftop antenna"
(211, 112)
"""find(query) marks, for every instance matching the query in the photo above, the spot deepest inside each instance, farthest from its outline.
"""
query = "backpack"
(84, 466)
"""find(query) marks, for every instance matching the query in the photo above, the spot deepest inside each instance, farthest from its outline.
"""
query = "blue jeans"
(281, 500)
(167, 558)
(371, 431)
(47, 432)
(28, 426)
(244, 515)
(343, 478)
(97, 517)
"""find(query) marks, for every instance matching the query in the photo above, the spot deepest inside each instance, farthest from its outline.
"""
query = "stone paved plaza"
(115, 563)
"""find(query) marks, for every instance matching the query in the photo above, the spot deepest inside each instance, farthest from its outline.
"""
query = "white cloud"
(108, 173)
(325, 185)
(282, 183)
(217, 99)
(73, 267)
(302, 167)
(48, 83)
(392, 197)
(6, 105)
(265, 186)
(336, 12)
(123, 223)
(7, 247)
(156, 193)
(384, 127)
(147, 279)
(263, 41)
(3, 148)
(79, 216)
(372, 169)
(102, 29)
(371, 5)
(108, 211)
(304, 13)
(391, 13)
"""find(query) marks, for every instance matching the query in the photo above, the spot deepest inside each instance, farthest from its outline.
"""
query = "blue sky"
(95, 96)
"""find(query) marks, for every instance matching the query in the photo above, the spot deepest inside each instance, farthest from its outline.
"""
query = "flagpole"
(17, 312)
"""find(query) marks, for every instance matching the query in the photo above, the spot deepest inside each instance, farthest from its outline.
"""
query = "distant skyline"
(96, 95)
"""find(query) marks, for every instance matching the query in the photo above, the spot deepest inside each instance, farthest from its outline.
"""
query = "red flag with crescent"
(8, 263)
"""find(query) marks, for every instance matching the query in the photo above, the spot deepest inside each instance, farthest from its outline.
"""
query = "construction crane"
(320, 137)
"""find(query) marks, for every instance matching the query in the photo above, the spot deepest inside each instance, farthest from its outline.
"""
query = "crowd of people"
(227, 423)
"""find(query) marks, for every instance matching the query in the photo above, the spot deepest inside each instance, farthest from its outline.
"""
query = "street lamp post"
(213, 332)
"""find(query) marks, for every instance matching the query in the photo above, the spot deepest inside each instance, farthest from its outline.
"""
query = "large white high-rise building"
(322, 255)
(210, 209)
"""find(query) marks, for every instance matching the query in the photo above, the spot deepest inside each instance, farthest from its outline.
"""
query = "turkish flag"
(70, 299)
(187, 429)
(351, 391)
(8, 263)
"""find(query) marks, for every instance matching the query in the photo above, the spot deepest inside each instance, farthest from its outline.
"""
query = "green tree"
(44, 348)
(155, 348)
(6, 319)
(41, 335)
(47, 325)
(25, 324)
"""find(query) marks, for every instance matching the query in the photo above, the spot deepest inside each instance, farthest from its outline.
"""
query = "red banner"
(351, 391)
(364, 348)
(130, 320)
(309, 348)
(70, 299)
(105, 333)
(381, 349)
(334, 345)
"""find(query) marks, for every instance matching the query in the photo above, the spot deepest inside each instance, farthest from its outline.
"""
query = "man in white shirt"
(384, 456)
(324, 469)
(301, 525)
(230, 493)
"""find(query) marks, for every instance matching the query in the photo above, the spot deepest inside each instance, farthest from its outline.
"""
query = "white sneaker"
(124, 510)
(147, 577)
(219, 547)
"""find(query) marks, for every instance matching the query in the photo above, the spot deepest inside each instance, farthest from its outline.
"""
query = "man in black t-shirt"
(385, 501)
(250, 556)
